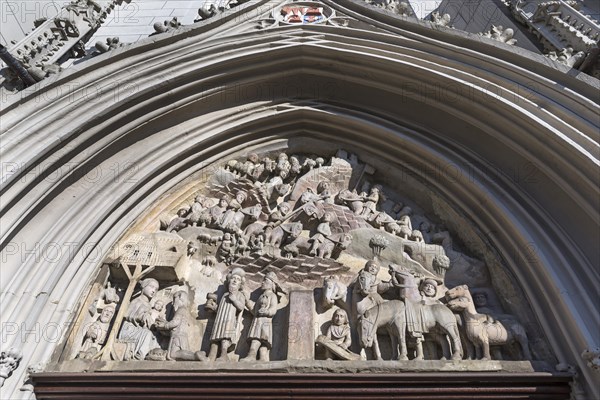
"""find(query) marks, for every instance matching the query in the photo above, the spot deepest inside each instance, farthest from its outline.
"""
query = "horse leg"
(394, 339)
(457, 352)
(445, 345)
(376, 350)
(402, 339)
(477, 351)
(420, 355)
(486, 349)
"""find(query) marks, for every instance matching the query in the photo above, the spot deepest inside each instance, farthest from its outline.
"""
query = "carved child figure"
(339, 331)
(260, 335)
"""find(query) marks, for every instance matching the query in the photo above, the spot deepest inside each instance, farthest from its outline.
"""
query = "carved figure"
(213, 215)
(333, 292)
(138, 321)
(324, 193)
(283, 233)
(179, 222)
(260, 335)
(157, 309)
(257, 244)
(228, 221)
(283, 165)
(323, 232)
(227, 248)
(367, 288)
(339, 331)
(228, 321)
(352, 200)
(197, 215)
(95, 335)
(179, 327)
(330, 248)
(370, 202)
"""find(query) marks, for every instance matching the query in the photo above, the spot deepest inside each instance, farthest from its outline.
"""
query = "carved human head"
(327, 217)
(269, 281)
(223, 202)
(107, 313)
(282, 157)
(240, 197)
(340, 317)
(149, 287)
(429, 287)
(284, 207)
(236, 279)
(372, 267)
(180, 299)
(253, 158)
(322, 186)
(182, 212)
(480, 299)
(294, 161)
(158, 305)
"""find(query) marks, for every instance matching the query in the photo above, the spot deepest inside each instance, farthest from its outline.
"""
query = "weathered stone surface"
(301, 332)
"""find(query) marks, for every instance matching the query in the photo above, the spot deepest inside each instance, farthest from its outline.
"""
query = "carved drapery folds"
(213, 282)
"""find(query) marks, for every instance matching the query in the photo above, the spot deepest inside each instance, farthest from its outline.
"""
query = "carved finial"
(500, 34)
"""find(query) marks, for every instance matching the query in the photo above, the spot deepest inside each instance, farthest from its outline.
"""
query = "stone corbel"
(592, 357)
(9, 361)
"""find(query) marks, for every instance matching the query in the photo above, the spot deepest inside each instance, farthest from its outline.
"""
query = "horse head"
(365, 330)
(458, 291)
(459, 304)
(333, 290)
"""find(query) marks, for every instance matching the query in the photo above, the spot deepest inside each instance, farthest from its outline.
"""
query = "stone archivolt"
(215, 281)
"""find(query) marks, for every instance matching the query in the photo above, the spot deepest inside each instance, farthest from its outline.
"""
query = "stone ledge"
(313, 366)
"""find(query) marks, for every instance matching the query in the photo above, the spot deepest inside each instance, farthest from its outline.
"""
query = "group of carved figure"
(143, 323)
(249, 223)
(415, 313)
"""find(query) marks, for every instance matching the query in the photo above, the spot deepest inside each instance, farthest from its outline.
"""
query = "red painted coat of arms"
(302, 14)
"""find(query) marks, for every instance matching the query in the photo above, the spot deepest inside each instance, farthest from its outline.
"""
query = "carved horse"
(334, 292)
(483, 331)
(391, 314)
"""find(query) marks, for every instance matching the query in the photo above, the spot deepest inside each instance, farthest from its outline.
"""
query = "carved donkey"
(483, 331)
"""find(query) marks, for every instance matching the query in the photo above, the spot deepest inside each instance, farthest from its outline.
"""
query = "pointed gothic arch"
(91, 150)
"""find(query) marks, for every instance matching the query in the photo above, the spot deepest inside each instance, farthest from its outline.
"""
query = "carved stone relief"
(364, 268)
